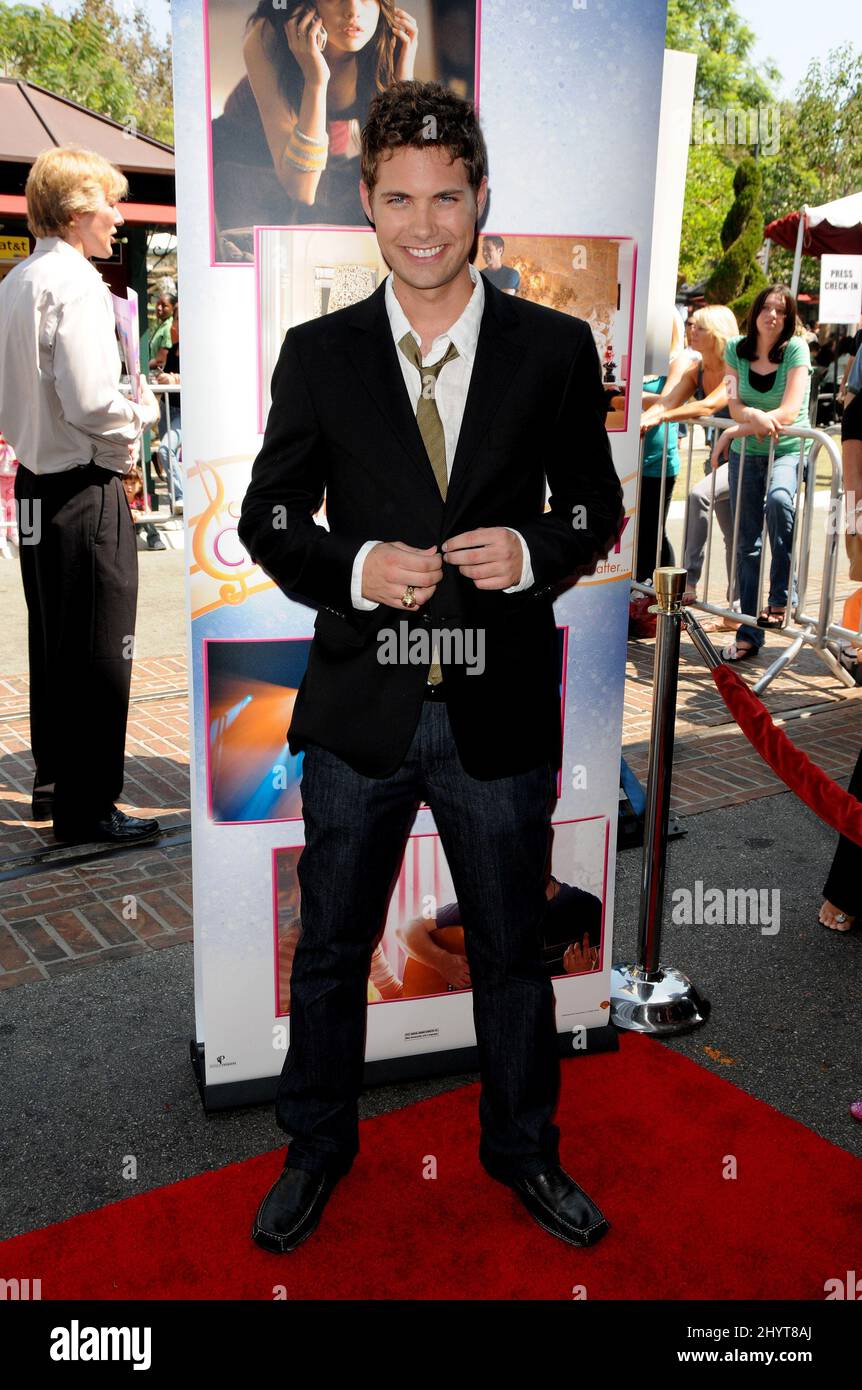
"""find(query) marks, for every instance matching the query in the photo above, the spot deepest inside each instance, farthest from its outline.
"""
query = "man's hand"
(455, 970)
(578, 956)
(392, 565)
(491, 556)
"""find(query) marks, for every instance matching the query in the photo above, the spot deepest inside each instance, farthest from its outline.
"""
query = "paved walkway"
(65, 914)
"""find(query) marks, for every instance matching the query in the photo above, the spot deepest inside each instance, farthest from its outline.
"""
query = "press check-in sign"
(14, 248)
(840, 289)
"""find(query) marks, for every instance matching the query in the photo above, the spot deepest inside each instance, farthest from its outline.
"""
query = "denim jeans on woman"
(780, 513)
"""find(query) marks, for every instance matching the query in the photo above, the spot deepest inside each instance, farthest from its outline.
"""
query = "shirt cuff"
(526, 579)
(358, 601)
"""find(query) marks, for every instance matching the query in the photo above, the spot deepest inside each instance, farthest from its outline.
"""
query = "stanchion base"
(661, 1004)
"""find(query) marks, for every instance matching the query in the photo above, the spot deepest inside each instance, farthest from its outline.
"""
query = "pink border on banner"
(565, 631)
(434, 835)
(266, 820)
(247, 265)
(369, 231)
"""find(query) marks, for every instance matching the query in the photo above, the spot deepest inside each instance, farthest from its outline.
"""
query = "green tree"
(820, 158)
(97, 57)
(726, 72)
(727, 81)
(737, 277)
(829, 117)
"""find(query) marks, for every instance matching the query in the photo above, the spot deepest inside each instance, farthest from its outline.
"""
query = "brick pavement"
(122, 904)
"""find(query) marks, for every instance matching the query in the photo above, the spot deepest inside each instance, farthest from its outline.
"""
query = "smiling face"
(95, 231)
(424, 212)
(349, 24)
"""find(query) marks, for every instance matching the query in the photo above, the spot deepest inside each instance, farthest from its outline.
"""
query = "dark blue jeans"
(495, 837)
(780, 513)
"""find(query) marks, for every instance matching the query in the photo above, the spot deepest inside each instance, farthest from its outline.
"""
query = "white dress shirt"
(450, 394)
(60, 398)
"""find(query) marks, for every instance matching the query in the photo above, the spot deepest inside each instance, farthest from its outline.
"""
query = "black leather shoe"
(292, 1209)
(554, 1200)
(117, 827)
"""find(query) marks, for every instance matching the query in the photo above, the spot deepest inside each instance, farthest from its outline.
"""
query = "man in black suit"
(430, 413)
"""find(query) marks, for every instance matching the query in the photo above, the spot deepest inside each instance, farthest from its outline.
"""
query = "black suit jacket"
(341, 420)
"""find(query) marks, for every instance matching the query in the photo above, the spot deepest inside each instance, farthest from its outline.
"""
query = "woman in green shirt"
(768, 374)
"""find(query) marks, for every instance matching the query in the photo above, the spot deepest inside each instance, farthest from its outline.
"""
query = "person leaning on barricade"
(768, 371)
(75, 436)
(701, 390)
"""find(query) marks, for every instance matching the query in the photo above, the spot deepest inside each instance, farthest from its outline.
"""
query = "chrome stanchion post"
(646, 997)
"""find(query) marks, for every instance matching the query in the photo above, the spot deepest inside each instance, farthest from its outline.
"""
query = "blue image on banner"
(251, 689)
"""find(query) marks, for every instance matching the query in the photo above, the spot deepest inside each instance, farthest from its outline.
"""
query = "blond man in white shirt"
(75, 435)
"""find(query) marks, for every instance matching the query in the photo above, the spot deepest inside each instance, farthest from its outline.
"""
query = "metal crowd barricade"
(167, 421)
(800, 628)
(166, 425)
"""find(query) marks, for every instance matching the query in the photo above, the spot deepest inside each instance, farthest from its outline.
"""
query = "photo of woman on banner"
(285, 148)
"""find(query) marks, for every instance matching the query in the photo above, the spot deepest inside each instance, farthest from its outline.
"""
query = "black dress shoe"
(291, 1209)
(116, 827)
(554, 1200)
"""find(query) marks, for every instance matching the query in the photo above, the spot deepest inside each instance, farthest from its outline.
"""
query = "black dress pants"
(79, 567)
(843, 887)
(495, 837)
(649, 525)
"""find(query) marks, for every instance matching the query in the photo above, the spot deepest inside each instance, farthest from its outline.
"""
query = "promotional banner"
(568, 96)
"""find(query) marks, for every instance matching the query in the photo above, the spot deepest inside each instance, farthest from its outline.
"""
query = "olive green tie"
(433, 436)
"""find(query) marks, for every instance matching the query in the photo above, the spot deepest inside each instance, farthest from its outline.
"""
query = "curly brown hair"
(414, 113)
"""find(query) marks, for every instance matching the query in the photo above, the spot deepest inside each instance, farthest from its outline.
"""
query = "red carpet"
(645, 1132)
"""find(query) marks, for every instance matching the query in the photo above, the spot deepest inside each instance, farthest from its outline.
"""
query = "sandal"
(840, 921)
(738, 651)
(771, 616)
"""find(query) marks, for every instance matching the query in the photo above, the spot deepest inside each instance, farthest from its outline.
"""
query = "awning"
(34, 119)
(832, 229)
(151, 214)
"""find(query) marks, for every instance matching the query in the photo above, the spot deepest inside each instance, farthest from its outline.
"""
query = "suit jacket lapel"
(498, 356)
(375, 357)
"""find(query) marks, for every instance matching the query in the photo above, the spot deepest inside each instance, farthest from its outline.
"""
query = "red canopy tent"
(833, 229)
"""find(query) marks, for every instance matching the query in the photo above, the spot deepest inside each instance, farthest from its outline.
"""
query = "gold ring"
(407, 597)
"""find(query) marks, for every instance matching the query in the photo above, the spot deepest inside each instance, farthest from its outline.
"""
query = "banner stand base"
(230, 1095)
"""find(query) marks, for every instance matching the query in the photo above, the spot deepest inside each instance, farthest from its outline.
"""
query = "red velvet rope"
(809, 782)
